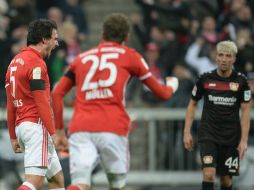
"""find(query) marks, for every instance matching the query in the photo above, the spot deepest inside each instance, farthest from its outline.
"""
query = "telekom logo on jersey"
(222, 100)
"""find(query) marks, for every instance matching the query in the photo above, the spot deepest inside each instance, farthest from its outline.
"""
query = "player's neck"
(111, 41)
(37, 48)
(224, 74)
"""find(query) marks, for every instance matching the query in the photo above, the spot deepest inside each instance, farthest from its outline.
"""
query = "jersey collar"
(233, 74)
(108, 43)
(33, 50)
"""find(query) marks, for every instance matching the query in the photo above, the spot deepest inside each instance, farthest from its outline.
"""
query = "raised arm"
(138, 67)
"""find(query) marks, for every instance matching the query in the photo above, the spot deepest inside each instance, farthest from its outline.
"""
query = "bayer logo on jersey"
(233, 86)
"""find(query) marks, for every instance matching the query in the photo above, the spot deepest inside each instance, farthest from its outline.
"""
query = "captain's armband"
(70, 75)
(37, 84)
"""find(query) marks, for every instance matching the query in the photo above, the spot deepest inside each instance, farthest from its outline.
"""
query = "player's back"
(24, 67)
(101, 76)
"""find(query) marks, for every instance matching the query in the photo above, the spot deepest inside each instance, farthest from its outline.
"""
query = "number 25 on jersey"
(100, 64)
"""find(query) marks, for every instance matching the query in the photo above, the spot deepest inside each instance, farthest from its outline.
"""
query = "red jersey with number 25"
(26, 66)
(101, 75)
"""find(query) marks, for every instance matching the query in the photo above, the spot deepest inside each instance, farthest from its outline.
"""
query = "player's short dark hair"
(116, 27)
(40, 29)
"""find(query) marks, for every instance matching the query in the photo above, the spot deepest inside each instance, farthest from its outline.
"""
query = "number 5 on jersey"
(101, 64)
(12, 80)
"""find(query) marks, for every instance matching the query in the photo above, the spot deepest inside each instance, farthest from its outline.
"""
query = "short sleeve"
(37, 72)
(71, 70)
(72, 67)
(138, 66)
(198, 89)
(245, 91)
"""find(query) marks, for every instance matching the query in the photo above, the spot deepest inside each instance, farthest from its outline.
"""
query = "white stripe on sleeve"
(145, 76)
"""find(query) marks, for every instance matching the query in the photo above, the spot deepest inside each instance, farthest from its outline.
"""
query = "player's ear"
(43, 40)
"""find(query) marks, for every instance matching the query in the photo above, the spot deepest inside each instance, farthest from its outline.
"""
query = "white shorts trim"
(117, 181)
(35, 171)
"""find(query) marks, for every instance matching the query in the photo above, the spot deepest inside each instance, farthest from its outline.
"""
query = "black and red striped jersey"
(220, 121)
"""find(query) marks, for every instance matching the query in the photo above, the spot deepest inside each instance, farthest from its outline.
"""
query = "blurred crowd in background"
(15, 15)
(179, 37)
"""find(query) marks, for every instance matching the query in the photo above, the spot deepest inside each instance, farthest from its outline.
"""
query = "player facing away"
(30, 121)
(223, 132)
(100, 124)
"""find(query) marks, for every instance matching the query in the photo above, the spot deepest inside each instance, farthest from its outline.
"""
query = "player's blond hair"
(227, 46)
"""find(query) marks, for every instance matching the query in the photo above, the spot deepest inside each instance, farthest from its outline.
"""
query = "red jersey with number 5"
(26, 66)
(101, 76)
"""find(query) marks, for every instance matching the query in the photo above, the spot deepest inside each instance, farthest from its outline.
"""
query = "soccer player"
(30, 121)
(100, 124)
(223, 132)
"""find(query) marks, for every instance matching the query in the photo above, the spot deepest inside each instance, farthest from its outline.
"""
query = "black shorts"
(224, 158)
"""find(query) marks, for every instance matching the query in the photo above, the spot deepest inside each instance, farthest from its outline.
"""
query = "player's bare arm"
(245, 125)
(190, 114)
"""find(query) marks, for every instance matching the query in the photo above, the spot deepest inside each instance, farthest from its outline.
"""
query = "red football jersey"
(101, 76)
(26, 66)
